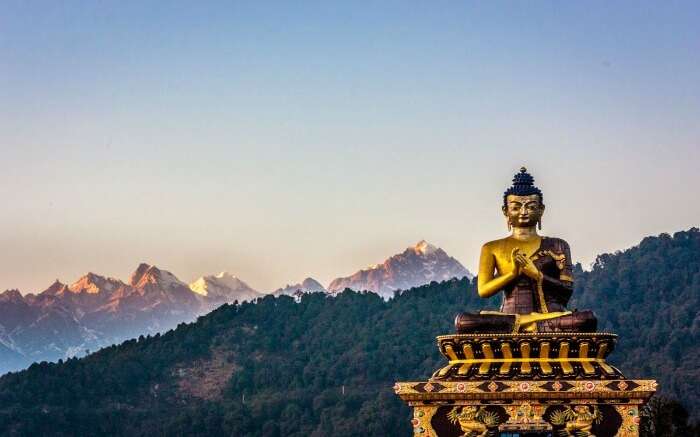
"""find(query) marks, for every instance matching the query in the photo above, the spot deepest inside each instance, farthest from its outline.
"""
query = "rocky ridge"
(417, 265)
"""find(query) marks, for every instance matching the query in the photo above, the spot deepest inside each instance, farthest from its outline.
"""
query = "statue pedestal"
(540, 384)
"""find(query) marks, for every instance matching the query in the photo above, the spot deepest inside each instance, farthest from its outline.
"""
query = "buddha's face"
(523, 211)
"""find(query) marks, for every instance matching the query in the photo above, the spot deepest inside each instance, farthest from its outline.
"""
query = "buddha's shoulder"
(491, 245)
(552, 242)
(555, 242)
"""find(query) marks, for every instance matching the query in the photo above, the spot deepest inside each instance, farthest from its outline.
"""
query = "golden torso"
(497, 268)
(497, 257)
(501, 250)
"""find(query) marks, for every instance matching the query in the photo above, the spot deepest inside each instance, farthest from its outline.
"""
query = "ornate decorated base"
(527, 356)
(539, 384)
(587, 407)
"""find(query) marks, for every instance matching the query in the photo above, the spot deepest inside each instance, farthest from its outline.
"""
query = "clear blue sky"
(289, 139)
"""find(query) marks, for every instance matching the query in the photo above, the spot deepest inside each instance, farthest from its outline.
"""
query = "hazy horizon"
(283, 141)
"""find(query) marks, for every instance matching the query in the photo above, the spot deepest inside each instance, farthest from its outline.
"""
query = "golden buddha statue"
(534, 272)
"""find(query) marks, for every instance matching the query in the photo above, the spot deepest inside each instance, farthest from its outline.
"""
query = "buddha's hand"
(527, 266)
(515, 263)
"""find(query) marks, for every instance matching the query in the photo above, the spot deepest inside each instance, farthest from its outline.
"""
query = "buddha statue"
(534, 273)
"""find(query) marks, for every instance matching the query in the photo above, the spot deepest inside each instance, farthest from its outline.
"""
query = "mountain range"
(94, 311)
(66, 320)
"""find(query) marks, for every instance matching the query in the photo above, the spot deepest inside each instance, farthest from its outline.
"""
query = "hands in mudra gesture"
(523, 264)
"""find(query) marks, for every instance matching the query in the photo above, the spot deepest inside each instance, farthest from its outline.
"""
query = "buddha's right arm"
(488, 285)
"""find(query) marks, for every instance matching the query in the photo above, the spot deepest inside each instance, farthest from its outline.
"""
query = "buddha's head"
(522, 202)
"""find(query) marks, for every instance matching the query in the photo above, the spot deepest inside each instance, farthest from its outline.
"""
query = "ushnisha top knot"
(523, 185)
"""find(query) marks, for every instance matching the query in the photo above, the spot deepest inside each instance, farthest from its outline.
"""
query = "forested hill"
(650, 296)
(325, 365)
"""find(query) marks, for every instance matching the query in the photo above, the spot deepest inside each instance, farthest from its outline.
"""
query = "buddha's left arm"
(565, 281)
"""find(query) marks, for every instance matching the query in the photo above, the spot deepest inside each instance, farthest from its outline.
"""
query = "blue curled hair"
(523, 185)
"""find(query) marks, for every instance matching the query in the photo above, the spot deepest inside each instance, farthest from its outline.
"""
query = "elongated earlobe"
(539, 224)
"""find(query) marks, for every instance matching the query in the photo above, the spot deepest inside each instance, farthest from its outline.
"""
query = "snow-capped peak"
(150, 274)
(424, 248)
(56, 288)
(200, 286)
(92, 284)
(223, 286)
(416, 265)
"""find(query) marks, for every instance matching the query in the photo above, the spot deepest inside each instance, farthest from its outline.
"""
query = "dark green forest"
(325, 366)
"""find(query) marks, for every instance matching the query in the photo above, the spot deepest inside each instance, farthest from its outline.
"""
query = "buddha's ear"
(504, 208)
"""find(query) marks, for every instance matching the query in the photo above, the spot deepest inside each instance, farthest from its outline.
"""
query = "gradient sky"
(288, 139)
